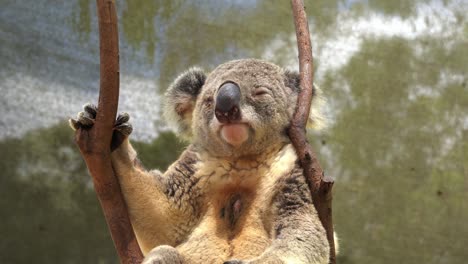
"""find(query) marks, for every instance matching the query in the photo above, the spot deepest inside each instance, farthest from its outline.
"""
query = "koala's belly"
(238, 215)
(235, 226)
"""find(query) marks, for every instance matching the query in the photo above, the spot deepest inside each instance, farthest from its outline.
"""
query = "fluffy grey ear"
(317, 119)
(180, 100)
(292, 80)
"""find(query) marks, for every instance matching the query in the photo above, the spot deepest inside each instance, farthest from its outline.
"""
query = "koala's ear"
(317, 119)
(180, 100)
(292, 80)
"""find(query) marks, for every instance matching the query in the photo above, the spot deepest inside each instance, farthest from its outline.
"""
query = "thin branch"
(320, 188)
(95, 143)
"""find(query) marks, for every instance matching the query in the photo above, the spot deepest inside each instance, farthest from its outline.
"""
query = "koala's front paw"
(86, 119)
(163, 255)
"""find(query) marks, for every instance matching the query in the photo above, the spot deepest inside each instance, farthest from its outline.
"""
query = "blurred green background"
(395, 74)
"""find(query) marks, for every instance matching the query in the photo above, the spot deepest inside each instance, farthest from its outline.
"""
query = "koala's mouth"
(235, 134)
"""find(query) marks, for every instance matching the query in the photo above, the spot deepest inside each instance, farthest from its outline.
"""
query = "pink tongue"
(235, 134)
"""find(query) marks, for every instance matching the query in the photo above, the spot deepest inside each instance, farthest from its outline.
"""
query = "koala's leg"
(298, 235)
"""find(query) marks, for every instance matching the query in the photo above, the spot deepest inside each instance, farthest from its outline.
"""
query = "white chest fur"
(218, 173)
(242, 189)
(237, 202)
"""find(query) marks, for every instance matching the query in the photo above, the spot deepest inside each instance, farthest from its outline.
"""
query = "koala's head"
(241, 108)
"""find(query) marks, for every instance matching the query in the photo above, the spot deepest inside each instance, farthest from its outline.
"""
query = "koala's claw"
(122, 125)
(73, 124)
(91, 109)
(126, 129)
(122, 118)
(86, 119)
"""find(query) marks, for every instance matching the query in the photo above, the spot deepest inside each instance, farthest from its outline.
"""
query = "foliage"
(49, 209)
(397, 145)
(50, 213)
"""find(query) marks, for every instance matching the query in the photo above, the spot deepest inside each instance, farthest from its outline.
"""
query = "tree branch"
(320, 187)
(94, 143)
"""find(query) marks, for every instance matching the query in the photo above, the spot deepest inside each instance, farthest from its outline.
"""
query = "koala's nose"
(227, 103)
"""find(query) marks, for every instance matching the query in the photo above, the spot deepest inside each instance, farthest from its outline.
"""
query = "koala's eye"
(261, 91)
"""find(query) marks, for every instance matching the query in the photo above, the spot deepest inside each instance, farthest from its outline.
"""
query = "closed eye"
(261, 91)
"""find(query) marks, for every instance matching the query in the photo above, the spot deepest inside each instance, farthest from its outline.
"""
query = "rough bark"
(94, 143)
(320, 186)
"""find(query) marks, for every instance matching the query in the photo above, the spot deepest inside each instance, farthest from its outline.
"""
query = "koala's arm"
(162, 207)
(298, 235)
(148, 206)
(157, 218)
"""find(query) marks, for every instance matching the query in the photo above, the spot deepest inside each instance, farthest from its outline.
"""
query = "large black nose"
(227, 103)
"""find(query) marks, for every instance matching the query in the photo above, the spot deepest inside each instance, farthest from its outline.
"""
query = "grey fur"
(180, 99)
(224, 203)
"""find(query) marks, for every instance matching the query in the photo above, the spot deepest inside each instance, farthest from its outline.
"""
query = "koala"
(237, 194)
